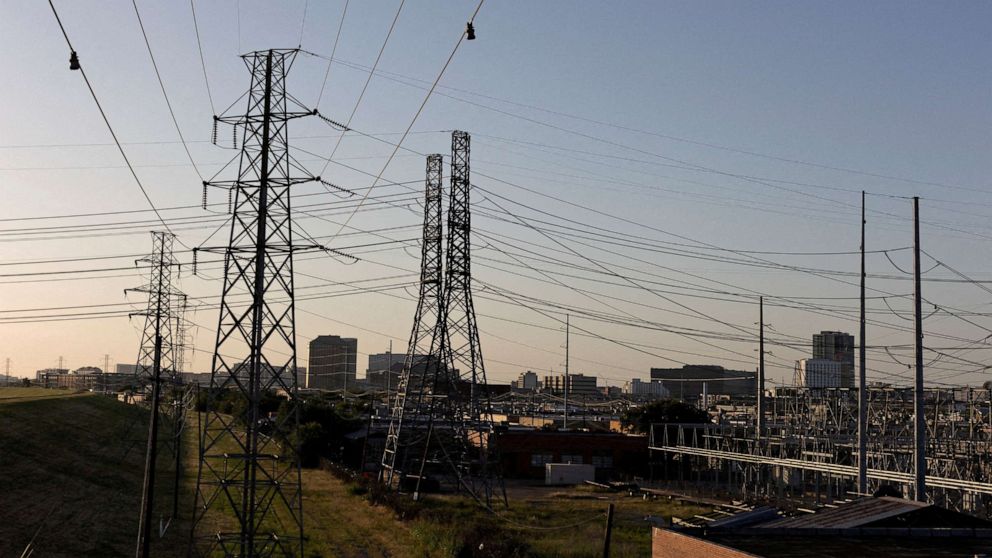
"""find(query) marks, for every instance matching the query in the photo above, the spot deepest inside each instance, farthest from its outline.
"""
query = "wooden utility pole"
(609, 532)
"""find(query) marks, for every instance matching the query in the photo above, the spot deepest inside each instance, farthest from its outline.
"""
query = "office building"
(579, 385)
(686, 383)
(333, 362)
(838, 347)
(648, 390)
(385, 369)
(817, 373)
(526, 381)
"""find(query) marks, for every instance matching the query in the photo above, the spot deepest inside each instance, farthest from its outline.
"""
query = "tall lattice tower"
(411, 408)
(441, 427)
(163, 300)
(472, 411)
(248, 496)
(156, 364)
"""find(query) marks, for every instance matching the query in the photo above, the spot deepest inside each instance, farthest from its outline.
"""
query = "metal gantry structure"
(248, 499)
(932, 443)
(156, 366)
(441, 425)
(809, 449)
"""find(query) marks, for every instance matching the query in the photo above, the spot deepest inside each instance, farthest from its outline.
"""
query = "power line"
(107, 122)
(334, 49)
(161, 84)
(420, 109)
(203, 64)
(365, 87)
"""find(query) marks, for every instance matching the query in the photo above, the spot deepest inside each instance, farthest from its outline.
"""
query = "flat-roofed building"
(333, 362)
(838, 347)
(686, 383)
(817, 373)
(578, 385)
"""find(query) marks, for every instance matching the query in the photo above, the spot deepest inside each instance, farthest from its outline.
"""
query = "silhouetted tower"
(156, 363)
(411, 408)
(441, 426)
(470, 412)
(248, 497)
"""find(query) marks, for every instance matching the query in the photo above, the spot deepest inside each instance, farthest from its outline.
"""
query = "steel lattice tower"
(156, 363)
(160, 313)
(441, 425)
(470, 413)
(410, 408)
(248, 496)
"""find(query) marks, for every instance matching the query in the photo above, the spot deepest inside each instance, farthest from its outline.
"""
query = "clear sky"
(648, 167)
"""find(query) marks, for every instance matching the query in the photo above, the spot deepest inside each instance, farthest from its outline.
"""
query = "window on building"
(573, 458)
(602, 461)
(539, 459)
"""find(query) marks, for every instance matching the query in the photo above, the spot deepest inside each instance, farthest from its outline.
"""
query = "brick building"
(523, 453)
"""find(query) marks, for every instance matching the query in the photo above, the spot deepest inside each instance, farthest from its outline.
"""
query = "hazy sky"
(652, 167)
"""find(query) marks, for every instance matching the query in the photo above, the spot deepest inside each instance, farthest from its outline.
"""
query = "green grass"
(566, 523)
(67, 481)
(65, 476)
(13, 394)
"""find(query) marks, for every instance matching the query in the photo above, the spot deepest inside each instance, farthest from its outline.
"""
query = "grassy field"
(70, 486)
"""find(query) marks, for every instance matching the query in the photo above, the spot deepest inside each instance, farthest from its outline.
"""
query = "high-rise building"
(817, 373)
(333, 362)
(578, 385)
(838, 347)
(527, 380)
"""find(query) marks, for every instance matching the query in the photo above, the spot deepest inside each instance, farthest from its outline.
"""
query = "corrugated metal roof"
(745, 519)
(855, 514)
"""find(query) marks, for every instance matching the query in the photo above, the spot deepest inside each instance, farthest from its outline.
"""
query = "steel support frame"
(249, 498)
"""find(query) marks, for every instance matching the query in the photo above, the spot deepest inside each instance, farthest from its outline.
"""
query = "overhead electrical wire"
(203, 63)
(334, 49)
(365, 87)
(861, 172)
(106, 121)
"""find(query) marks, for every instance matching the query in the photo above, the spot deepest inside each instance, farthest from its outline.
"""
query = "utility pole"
(389, 371)
(151, 455)
(609, 532)
(920, 422)
(565, 416)
(862, 374)
(760, 404)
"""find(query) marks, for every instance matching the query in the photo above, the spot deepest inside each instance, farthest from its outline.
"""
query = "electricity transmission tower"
(156, 363)
(248, 497)
(441, 426)
(472, 417)
(411, 406)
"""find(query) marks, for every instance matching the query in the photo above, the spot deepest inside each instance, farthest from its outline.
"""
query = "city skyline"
(687, 180)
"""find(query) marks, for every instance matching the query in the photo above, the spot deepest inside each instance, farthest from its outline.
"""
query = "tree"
(641, 418)
(312, 441)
